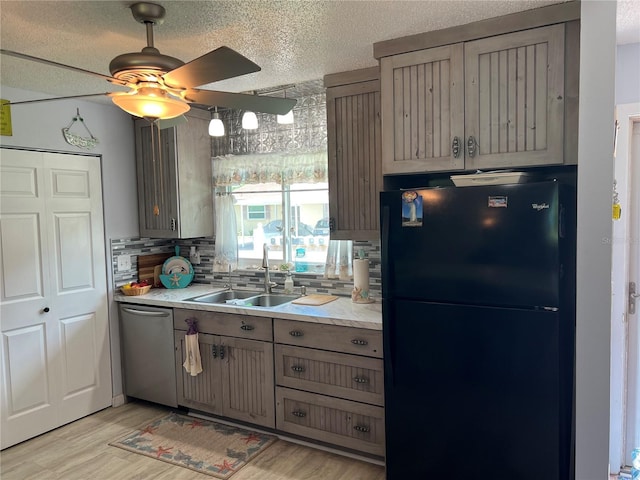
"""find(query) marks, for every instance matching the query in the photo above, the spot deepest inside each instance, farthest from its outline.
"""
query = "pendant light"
(249, 121)
(286, 119)
(216, 127)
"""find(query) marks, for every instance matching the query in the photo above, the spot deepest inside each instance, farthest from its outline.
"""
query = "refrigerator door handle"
(387, 307)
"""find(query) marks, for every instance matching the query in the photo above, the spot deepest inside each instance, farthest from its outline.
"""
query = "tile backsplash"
(243, 278)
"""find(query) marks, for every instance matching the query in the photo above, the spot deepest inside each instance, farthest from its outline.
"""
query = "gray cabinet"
(354, 151)
(495, 102)
(174, 175)
(237, 377)
(329, 384)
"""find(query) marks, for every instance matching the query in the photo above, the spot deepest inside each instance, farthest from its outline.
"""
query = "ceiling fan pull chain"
(156, 209)
(160, 164)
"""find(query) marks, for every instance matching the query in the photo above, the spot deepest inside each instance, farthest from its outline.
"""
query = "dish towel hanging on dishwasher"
(192, 362)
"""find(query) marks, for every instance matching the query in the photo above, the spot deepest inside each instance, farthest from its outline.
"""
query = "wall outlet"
(124, 263)
(194, 258)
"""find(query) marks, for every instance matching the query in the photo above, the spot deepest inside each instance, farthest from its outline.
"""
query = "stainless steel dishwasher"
(148, 353)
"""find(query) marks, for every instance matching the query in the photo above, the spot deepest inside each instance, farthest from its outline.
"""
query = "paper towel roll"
(360, 293)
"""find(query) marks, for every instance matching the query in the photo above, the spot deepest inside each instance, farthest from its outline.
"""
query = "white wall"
(628, 73)
(39, 126)
(595, 178)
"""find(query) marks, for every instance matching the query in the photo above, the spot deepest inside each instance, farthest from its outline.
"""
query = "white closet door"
(53, 301)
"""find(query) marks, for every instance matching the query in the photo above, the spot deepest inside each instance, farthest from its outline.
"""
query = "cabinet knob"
(45, 309)
(296, 333)
(299, 413)
(357, 341)
(247, 327)
(214, 351)
(221, 352)
(297, 368)
(361, 428)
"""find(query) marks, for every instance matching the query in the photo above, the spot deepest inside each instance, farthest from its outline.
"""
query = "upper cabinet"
(175, 198)
(423, 110)
(514, 99)
(354, 151)
(498, 101)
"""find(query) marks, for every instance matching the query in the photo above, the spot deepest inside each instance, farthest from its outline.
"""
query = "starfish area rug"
(204, 446)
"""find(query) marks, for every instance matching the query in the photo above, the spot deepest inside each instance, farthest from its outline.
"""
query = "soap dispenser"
(288, 283)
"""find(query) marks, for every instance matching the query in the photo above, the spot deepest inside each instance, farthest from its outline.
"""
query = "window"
(256, 212)
(281, 201)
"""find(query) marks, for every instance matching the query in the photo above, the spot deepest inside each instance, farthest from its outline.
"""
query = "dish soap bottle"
(288, 283)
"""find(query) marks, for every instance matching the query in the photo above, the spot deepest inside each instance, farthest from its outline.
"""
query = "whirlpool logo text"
(539, 206)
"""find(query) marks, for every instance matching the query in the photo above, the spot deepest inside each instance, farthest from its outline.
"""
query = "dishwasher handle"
(147, 313)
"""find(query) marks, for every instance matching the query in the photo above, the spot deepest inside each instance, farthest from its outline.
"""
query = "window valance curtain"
(229, 170)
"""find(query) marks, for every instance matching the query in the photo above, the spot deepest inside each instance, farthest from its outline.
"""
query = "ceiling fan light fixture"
(216, 127)
(151, 102)
(249, 121)
(286, 119)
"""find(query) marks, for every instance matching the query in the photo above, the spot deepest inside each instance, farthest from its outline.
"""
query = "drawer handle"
(361, 429)
(247, 327)
(472, 146)
(296, 333)
(357, 341)
(214, 351)
(297, 368)
(361, 379)
(299, 413)
(455, 147)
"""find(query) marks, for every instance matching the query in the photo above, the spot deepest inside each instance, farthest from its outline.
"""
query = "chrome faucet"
(229, 285)
(268, 284)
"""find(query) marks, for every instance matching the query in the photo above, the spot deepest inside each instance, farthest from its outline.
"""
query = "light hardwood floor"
(80, 451)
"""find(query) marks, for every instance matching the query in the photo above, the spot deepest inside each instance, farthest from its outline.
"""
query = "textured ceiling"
(293, 41)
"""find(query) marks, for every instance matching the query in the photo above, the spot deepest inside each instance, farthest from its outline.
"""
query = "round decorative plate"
(176, 265)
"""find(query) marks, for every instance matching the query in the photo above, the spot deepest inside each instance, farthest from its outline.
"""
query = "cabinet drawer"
(359, 341)
(228, 324)
(341, 422)
(336, 374)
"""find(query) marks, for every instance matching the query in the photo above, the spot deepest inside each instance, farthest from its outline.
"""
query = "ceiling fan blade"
(219, 64)
(24, 56)
(241, 101)
(58, 98)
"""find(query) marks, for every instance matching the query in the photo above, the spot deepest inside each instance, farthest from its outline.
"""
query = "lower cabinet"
(321, 382)
(329, 384)
(237, 373)
(332, 420)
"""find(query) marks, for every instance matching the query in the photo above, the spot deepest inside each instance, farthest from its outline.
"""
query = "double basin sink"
(244, 298)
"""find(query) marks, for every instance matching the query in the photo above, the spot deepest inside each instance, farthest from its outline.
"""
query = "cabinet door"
(514, 112)
(157, 182)
(423, 110)
(195, 184)
(202, 392)
(355, 162)
(247, 381)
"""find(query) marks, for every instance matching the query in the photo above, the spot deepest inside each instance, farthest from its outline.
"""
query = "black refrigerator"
(479, 326)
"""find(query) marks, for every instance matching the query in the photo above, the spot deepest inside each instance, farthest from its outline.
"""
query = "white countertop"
(338, 312)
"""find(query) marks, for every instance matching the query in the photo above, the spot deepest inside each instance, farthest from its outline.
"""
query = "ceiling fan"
(162, 87)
